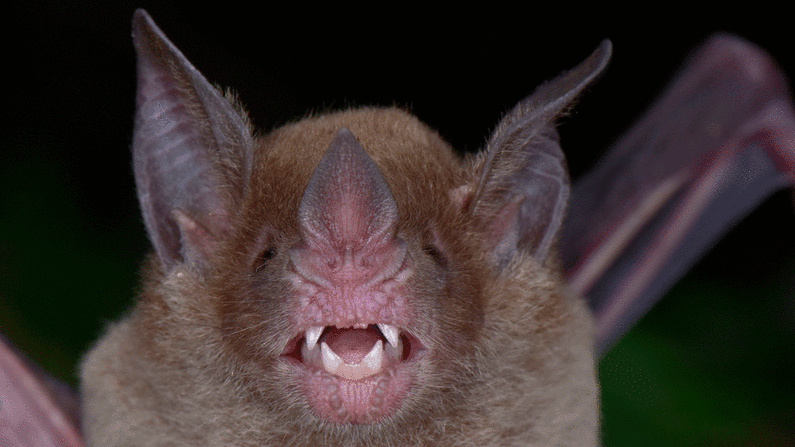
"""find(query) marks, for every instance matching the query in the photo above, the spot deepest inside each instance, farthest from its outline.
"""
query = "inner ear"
(504, 231)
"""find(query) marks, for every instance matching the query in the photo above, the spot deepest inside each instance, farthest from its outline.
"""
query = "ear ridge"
(524, 164)
(191, 148)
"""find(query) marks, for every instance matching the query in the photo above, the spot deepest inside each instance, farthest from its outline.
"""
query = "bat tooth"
(312, 335)
(331, 361)
(390, 333)
(370, 365)
(373, 360)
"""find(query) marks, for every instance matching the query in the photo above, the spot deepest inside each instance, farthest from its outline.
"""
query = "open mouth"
(355, 374)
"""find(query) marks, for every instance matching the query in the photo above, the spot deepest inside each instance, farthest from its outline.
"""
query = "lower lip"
(369, 400)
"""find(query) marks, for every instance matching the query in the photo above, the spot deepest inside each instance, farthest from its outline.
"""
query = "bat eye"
(262, 260)
(435, 254)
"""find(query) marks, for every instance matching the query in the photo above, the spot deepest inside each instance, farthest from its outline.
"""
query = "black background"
(712, 365)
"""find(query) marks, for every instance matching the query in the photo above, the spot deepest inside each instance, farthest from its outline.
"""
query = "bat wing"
(35, 409)
(718, 142)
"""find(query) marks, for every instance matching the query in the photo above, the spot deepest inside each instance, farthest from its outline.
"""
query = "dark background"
(713, 364)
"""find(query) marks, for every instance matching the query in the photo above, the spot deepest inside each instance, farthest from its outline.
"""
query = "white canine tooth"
(331, 361)
(390, 332)
(312, 335)
(372, 361)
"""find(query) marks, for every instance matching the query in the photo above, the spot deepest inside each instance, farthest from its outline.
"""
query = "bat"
(575, 188)
(338, 295)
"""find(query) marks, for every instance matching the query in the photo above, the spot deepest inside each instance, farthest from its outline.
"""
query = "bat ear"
(191, 151)
(523, 188)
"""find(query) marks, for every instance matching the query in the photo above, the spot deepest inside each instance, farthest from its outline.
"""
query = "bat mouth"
(354, 374)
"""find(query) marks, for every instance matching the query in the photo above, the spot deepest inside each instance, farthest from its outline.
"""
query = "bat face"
(342, 299)
(343, 280)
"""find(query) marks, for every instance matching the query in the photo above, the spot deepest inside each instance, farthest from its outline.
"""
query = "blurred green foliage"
(711, 365)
